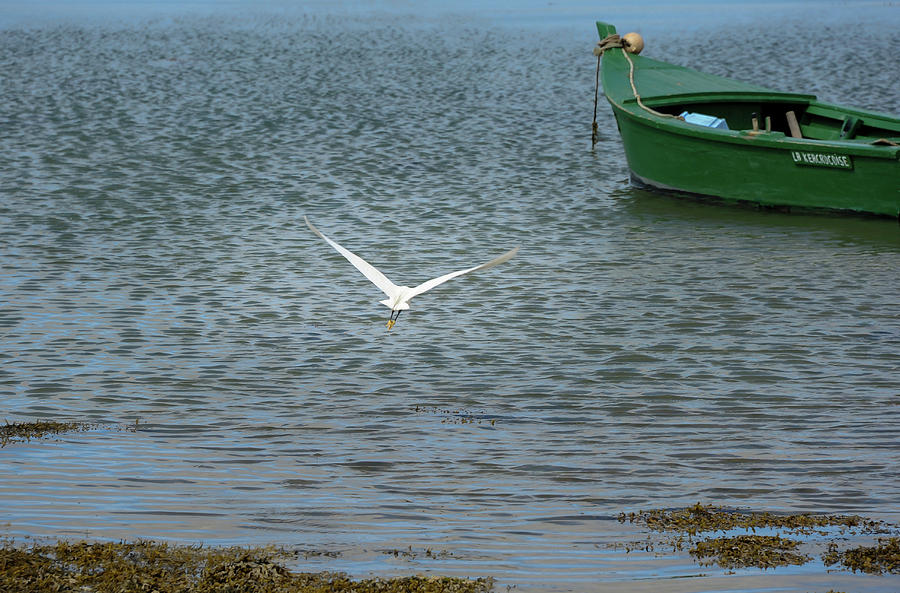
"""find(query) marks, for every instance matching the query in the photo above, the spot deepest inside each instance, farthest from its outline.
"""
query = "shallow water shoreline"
(726, 540)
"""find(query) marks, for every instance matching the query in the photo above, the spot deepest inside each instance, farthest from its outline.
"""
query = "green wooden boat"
(783, 150)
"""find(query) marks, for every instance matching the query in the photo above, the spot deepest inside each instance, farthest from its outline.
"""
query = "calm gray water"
(640, 351)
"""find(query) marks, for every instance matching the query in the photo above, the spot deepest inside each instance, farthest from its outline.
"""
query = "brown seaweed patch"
(704, 518)
(685, 526)
(153, 566)
(410, 553)
(879, 559)
(458, 416)
(307, 554)
(761, 551)
(26, 431)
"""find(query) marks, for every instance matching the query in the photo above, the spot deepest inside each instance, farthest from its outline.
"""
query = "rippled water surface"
(640, 351)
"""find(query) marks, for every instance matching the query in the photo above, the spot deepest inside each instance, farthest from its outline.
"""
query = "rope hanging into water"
(610, 42)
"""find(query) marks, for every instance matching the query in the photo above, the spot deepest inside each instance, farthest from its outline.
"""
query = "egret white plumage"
(398, 297)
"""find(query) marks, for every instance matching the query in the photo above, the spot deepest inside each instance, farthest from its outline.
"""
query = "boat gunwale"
(763, 139)
(810, 102)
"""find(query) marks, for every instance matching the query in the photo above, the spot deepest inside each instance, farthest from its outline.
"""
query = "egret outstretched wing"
(428, 285)
(399, 296)
(368, 270)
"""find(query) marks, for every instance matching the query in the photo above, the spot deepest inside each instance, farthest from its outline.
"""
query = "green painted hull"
(846, 160)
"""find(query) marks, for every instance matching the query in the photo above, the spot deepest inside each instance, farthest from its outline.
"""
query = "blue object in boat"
(710, 121)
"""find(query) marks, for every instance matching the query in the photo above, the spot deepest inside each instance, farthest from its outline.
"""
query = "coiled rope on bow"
(610, 42)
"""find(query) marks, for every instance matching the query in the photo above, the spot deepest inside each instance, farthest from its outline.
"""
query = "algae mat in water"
(768, 551)
(884, 557)
(26, 431)
(13, 432)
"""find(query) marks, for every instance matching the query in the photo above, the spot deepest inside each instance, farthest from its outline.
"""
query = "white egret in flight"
(398, 296)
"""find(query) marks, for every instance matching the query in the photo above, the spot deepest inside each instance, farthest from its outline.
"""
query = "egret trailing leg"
(393, 319)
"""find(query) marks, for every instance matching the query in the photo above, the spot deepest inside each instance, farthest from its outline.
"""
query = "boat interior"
(799, 119)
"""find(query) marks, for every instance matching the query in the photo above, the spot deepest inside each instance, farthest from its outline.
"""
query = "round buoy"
(633, 43)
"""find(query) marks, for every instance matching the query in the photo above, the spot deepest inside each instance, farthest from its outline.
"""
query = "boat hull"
(759, 172)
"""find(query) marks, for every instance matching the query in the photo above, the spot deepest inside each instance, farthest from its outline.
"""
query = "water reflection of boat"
(690, 132)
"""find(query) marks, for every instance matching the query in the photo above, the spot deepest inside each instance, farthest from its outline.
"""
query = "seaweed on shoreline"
(700, 518)
(879, 559)
(761, 551)
(768, 551)
(153, 566)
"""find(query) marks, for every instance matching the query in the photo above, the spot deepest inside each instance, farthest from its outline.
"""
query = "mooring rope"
(610, 42)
